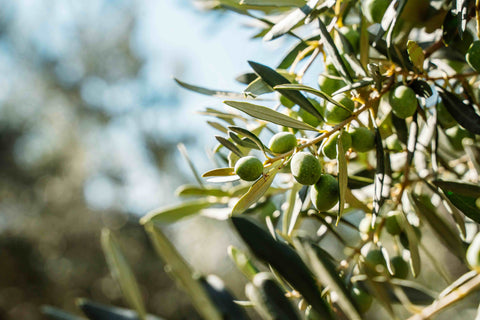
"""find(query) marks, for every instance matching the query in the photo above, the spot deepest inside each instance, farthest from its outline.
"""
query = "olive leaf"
(97, 311)
(195, 191)
(342, 175)
(229, 145)
(252, 136)
(209, 92)
(122, 273)
(463, 196)
(463, 113)
(243, 263)
(58, 314)
(182, 273)
(275, 253)
(273, 78)
(219, 172)
(415, 54)
(170, 214)
(267, 114)
(256, 191)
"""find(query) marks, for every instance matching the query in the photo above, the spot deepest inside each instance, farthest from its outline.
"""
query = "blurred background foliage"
(89, 122)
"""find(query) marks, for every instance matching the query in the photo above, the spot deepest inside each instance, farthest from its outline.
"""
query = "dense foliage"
(382, 159)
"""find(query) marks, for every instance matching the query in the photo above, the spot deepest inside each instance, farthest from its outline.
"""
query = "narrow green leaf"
(293, 53)
(209, 92)
(473, 152)
(267, 114)
(217, 126)
(290, 215)
(256, 191)
(379, 173)
(273, 78)
(269, 298)
(399, 57)
(421, 88)
(327, 274)
(178, 212)
(223, 300)
(220, 172)
(246, 78)
(245, 142)
(463, 113)
(290, 21)
(390, 18)
(415, 262)
(257, 87)
(342, 175)
(301, 87)
(276, 253)
(183, 150)
(229, 145)
(415, 54)
(444, 232)
(333, 53)
(97, 311)
(182, 273)
(462, 7)
(463, 196)
(58, 314)
(353, 86)
(274, 3)
(250, 135)
(243, 263)
(195, 191)
(122, 273)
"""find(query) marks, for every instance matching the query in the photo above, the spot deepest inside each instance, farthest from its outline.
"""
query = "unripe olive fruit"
(376, 261)
(249, 168)
(306, 168)
(308, 118)
(393, 222)
(374, 10)
(403, 101)
(329, 85)
(325, 193)
(329, 148)
(282, 142)
(363, 139)
(335, 114)
(400, 267)
(473, 55)
(473, 253)
(362, 299)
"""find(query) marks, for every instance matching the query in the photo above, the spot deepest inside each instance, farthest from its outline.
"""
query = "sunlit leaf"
(257, 87)
(122, 273)
(243, 263)
(178, 212)
(274, 3)
(219, 172)
(209, 92)
(229, 145)
(267, 114)
(58, 314)
(463, 196)
(217, 126)
(195, 191)
(332, 52)
(290, 21)
(248, 134)
(415, 54)
(256, 191)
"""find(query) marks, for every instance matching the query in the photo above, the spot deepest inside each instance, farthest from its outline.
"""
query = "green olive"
(473, 55)
(393, 222)
(362, 299)
(400, 267)
(375, 261)
(282, 142)
(403, 101)
(325, 193)
(306, 168)
(374, 10)
(335, 114)
(249, 168)
(329, 148)
(363, 139)
(329, 85)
